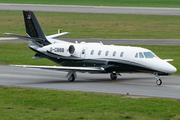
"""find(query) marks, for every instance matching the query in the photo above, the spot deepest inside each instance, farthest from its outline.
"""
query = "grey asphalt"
(93, 9)
(110, 41)
(134, 84)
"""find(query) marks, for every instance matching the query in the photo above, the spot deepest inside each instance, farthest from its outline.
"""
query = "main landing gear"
(158, 80)
(71, 76)
(113, 76)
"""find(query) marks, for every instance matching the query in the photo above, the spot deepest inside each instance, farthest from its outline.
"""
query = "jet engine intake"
(71, 49)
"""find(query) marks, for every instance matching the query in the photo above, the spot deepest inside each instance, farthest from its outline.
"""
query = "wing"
(61, 68)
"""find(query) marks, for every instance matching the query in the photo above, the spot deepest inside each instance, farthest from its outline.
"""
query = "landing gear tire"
(159, 82)
(71, 78)
(113, 76)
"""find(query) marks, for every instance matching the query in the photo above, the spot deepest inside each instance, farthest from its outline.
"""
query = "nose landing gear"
(158, 80)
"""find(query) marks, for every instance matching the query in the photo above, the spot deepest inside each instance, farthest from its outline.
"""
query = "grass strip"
(134, 3)
(83, 25)
(19, 53)
(41, 104)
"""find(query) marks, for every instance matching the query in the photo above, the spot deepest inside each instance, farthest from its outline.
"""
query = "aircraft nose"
(172, 69)
(169, 68)
(166, 67)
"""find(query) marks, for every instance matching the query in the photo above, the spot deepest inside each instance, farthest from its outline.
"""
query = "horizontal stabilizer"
(23, 37)
(17, 36)
(57, 35)
(37, 56)
(167, 60)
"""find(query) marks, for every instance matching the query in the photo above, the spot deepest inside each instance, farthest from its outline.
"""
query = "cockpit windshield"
(148, 55)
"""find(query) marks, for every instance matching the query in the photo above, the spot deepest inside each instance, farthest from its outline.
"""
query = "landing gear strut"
(113, 76)
(71, 76)
(158, 80)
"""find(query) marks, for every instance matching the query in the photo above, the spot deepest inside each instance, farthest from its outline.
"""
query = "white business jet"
(90, 57)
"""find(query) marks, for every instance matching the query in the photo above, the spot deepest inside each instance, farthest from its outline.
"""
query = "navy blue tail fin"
(33, 29)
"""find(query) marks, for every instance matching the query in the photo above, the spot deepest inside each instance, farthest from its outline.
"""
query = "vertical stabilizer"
(33, 29)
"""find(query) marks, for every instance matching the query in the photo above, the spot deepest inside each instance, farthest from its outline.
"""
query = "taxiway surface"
(134, 84)
(92, 9)
(109, 41)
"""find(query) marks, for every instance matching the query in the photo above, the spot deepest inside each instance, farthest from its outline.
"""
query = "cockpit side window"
(136, 56)
(148, 55)
(141, 55)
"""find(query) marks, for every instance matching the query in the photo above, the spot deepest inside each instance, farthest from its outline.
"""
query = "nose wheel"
(158, 80)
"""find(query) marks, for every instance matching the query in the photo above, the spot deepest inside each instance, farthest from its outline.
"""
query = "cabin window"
(114, 53)
(141, 55)
(122, 53)
(136, 56)
(92, 52)
(99, 53)
(83, 51)
(107, 52)
(148, 55)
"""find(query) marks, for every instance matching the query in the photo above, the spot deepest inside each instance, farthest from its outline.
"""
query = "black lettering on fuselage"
(61, 50)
